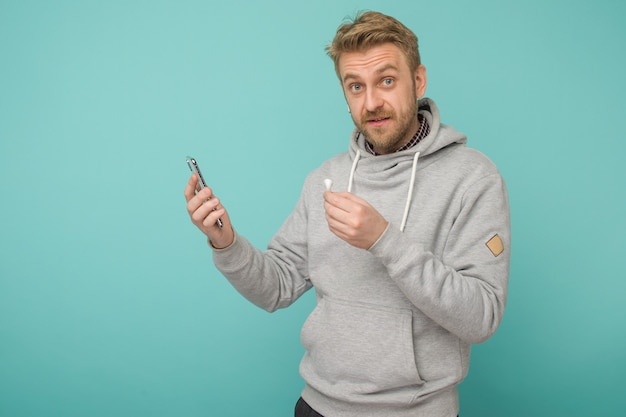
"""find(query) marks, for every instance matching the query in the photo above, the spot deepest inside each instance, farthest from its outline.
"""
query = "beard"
(389, 139)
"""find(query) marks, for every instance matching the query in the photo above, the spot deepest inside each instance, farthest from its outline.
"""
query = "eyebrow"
(379, 71)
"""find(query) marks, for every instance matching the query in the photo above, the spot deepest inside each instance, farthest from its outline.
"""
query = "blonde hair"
(369, 29)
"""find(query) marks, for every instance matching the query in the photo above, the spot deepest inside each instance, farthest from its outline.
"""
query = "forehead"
(372, 61)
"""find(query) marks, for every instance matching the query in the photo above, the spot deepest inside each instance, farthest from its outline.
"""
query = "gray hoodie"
(392, 328)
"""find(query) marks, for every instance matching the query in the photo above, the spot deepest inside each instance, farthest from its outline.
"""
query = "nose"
(373, 100)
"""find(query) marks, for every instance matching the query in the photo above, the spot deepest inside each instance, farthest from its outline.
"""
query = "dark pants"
(305, 410)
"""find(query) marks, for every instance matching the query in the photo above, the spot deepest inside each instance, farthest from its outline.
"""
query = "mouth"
(378, 121)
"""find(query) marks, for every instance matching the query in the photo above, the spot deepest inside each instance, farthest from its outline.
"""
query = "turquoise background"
(109, 302)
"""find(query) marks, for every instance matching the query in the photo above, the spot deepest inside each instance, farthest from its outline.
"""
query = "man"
(408, 253)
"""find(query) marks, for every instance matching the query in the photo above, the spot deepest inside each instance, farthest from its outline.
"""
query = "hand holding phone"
(193, 166)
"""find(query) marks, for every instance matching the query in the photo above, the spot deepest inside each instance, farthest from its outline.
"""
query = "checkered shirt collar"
(422, 132)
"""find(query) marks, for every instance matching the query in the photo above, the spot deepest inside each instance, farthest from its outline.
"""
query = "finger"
(213, 216)
(335, 200)
(349, 215)
(198, 214)
(190, 188)
(340, 208)
(338, 220)
(199, 208)
(196, 200)
(203, 196)
(344, 201)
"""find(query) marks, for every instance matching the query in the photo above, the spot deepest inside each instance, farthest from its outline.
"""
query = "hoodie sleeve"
(465, 289)
(274, 278)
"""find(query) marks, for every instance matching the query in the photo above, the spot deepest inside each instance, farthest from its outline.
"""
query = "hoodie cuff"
(388, 247)
(223, 249)
(231, 257)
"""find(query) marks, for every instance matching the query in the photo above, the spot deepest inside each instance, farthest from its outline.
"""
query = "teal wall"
(109, 303)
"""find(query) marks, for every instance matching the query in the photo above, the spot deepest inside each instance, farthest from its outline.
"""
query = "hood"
(383, 167)
(440, 136)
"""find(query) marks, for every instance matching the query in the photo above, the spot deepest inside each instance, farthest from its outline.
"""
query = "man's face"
(382, 93)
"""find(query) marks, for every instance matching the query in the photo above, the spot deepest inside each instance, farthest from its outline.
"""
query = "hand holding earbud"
(351, 218)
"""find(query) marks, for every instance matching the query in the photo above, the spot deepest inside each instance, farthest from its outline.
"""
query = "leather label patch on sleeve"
(495, 245)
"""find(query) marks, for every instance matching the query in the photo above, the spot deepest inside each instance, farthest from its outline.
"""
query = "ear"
(420, 81)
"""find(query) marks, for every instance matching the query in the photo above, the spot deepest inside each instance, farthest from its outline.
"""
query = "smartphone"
(193, 166)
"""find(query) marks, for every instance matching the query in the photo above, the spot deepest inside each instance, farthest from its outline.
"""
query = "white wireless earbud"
(328, 183)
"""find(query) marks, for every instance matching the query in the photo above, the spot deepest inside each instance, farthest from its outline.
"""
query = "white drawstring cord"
(410, 194)
(411, 184)
(354, 163)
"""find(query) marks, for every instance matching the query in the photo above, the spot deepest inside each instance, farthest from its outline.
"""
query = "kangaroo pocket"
(358, 349)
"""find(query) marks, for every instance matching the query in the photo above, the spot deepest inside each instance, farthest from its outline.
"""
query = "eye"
(355, 88)
(387, 82)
